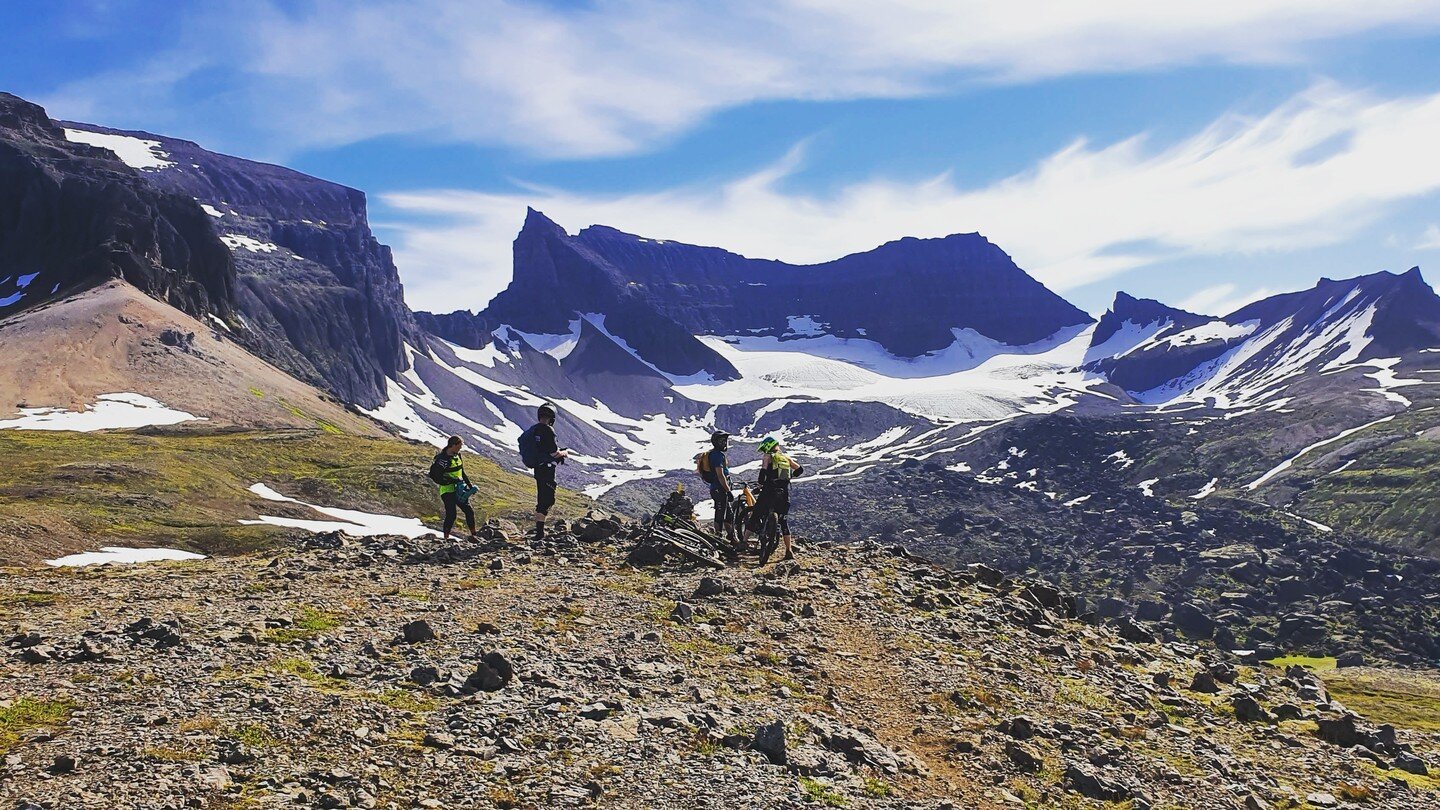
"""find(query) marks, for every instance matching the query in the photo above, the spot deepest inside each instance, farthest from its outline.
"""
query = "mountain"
(74, 215)
(316, 292)
(1255, 353)
(912, 297)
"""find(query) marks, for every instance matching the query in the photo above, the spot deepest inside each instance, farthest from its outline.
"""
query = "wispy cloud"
(615, 76)
(1430, 240)
(1223, 299)
(1313, 172)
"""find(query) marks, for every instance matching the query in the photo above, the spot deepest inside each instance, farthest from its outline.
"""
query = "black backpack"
(439, 472)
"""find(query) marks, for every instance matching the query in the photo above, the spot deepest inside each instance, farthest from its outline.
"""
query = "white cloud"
(614, 76)
(1222, 299)
(1430, 240)
(1315, 171)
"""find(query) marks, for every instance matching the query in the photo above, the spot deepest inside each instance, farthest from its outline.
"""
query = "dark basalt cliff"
(319, 295)
(910, 296)
(72, 216)
(906, 295)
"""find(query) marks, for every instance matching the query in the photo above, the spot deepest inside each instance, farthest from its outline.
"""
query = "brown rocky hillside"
(402, 674)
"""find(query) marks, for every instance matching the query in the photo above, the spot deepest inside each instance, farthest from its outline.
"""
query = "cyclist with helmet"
(715, 470)
(776, 470)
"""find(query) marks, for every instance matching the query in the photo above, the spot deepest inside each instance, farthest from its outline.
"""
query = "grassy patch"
(28, 714)
(1402, 699)
(28, 599)
(188, 488)
(818, 793)
(405, 701)
(877, 789)
(1312, 663)
(308, 622)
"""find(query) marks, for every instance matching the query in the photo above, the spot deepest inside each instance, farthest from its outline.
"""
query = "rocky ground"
(1052, 499)
(396, 673)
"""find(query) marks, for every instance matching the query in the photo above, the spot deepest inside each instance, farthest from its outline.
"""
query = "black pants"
(544, 488)
(451, 502)
(722, 504)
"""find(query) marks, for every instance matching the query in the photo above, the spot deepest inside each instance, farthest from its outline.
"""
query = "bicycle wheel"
(693, 546)
(769, 537)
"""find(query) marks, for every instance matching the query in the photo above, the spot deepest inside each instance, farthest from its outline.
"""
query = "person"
(548, 455)
(776, 470)
(448, 470)
(718, 468)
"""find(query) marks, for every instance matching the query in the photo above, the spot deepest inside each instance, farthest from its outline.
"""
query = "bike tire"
(769, 538)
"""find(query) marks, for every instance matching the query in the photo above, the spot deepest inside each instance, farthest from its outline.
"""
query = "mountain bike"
(674, 525)
(769, 535)
(740, 508)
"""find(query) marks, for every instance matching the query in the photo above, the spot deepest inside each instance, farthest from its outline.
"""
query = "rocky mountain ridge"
(398, 673)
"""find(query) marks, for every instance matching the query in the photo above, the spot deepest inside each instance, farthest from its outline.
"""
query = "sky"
(1203, 154)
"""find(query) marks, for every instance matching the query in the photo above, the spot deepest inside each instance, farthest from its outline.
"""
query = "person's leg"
(469, 517)
(787, 541)
(448, 498)
(722, 510)
(544, 497)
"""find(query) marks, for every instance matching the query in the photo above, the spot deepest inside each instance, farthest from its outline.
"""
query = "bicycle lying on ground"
(675, 526)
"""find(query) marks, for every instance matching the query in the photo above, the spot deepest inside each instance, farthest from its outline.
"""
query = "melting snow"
(1206, 490)
(1287, 463)
(1122, 458)
(136, 153)
(109, 411)
(349, 521)
(119, 554)
(1147, 487)
(238, 241)
(1077, 501)
(211, 210)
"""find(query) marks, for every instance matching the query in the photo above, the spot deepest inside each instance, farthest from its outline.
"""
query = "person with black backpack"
(540, 452)
(714, 470)
(448, 470)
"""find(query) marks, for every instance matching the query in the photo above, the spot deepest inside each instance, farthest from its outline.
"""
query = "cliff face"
(319, 295)
(908, 295)
(73, 216)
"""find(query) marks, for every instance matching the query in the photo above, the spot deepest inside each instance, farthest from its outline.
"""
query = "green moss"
(818, 793)
(190, 488)
(876, 789)
(402, 700)
(307, 623)
(1402, 699)
(1313, 663)
(28, 714)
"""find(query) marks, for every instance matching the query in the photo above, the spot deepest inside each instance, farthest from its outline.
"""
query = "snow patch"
(110, 411)
(211, 210)
(349, 521)
(1206, 490)
(239, 241)
(137, 153)
(1147, 487)
(109, 555)
(1289, 462)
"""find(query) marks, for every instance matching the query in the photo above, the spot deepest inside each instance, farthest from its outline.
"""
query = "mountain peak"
(1140, 312)
(537, 222)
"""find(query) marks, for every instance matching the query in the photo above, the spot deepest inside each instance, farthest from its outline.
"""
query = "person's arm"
(721, 479)
(548, 445)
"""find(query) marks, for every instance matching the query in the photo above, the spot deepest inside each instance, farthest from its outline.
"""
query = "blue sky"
(1202, 154)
